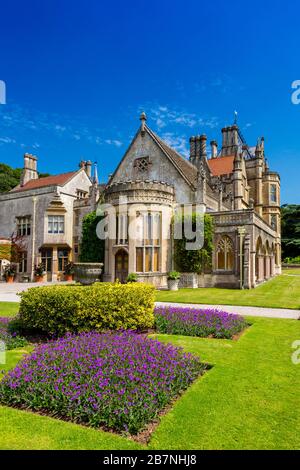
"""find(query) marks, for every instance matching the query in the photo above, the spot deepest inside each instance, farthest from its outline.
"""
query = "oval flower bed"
(198, 322)
(119, 380)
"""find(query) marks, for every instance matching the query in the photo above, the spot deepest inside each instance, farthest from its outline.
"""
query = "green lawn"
(282, 292)
(8, 309)
(248, 400)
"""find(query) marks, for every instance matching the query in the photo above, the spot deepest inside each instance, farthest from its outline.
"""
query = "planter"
(173, 284)
(39, 278)
(68, 277)
(188, 280)
(10, 279)
(87, 273)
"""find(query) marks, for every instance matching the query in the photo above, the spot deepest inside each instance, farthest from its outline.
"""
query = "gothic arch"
(225, 254)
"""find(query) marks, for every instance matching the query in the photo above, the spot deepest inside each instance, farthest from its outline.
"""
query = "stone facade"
(45, 215)
(235, 186)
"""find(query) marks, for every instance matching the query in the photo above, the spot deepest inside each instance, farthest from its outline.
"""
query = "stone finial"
(143, 119)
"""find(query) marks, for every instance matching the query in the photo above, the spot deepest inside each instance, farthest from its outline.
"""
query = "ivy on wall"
(91, 247)
(194, 261)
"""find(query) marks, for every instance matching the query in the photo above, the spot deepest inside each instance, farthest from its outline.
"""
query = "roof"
(221, 165)
(56, 180)
(187, 169)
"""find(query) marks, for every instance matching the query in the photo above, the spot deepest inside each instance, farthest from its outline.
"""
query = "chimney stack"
(88, 168)
(192, 149)
(203, 152)
(214, 149)
(30, 169)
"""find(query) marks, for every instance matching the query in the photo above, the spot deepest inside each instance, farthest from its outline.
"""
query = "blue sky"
(79, 73)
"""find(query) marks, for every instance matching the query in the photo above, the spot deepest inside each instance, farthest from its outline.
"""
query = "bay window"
(148, 238)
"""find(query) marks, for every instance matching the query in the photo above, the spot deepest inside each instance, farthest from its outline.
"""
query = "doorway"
(121, 266)
(47, 260)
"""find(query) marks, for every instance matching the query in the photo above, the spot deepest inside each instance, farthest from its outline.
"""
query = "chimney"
(214, 149)
(192, 149)
(30, 169)
(203, 152)
(82, 164)
(88, 168)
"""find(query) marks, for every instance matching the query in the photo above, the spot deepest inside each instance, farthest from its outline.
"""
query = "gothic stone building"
(234, 185)
(45, 216)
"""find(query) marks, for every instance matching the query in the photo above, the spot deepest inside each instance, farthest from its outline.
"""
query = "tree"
(10, 177)
(91, 247)
(196, 261)
(290, 230)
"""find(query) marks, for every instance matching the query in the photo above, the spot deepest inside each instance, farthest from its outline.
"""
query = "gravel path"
(241, 310)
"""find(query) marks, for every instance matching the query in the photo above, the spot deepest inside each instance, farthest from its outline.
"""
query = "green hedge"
(61, 309)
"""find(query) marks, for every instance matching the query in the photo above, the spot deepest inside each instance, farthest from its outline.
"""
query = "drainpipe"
(33, 239)
(241, 232)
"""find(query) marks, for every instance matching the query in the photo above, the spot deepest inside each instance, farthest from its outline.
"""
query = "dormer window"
(81, 194)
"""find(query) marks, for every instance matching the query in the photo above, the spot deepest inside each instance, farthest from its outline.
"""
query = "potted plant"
(69, 271)
(173, 280)
(39, 272)
(132, 277)
(9, 273)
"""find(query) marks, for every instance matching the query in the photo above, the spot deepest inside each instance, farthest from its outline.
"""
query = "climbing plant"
(91, 247)
(196, 261)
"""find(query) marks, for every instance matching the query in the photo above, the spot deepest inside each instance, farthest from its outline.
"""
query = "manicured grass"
(9, 309)
(248, 400)
(281, 292)
(293, 271)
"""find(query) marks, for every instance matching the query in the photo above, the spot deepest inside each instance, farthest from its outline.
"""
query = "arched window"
(225, 257)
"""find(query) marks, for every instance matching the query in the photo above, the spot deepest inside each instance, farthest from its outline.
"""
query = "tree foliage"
(10, 177)
(290, 230)
(196, 261)
(91, 247)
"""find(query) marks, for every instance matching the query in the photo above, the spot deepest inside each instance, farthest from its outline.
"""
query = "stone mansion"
(232, 182)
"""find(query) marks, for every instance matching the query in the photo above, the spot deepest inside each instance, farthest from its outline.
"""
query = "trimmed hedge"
(102, 306)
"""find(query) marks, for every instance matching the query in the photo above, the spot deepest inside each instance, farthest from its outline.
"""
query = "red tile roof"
(221, 165)
(56, 180)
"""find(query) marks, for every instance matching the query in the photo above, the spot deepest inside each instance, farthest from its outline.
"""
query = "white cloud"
(116, 143)
(178, 142)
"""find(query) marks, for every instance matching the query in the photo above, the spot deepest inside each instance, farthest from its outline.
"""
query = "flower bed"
(198, 322)
(11, 340)
(119, 380)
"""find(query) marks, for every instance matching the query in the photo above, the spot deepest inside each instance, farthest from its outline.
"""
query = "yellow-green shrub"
(102, 306)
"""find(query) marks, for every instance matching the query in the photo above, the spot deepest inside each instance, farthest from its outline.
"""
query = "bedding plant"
(116, 380)
(198, 322)
(11, 339)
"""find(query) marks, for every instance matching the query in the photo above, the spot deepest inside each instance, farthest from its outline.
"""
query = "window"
(273, 193)
(225, 258)
(56, 224)
(148, 229)
(274, 222)
(23, 226)
(23, 262)
(81, 194)
(141, 165)
(63, 258)
(47, 255)
(122, 229)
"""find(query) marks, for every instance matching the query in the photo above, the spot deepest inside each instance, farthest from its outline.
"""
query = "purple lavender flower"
(121, 380)
(198, 322)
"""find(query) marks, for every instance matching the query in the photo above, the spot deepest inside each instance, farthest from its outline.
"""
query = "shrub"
(121, 380)
(194, 261)
(198, 322)
(132, 277)
(102, 306)
(11, 339)
(91, 247)
(173, 275)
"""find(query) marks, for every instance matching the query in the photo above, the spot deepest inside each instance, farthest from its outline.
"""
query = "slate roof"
(56, 180)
